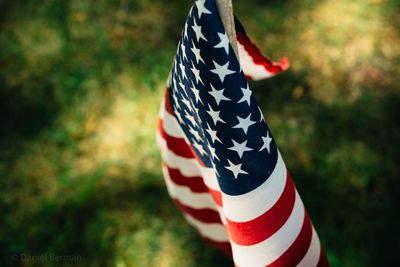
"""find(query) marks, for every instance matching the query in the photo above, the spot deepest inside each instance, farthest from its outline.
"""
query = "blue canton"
(215, 107)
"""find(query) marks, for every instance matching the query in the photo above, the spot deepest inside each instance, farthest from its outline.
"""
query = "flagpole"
(226, 13)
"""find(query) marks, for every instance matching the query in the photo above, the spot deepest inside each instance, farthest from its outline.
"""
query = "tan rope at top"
(226, 13)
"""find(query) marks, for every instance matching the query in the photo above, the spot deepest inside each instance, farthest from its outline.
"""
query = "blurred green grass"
(80, 85)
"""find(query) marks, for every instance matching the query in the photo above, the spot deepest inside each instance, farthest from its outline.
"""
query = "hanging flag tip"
(284, 63)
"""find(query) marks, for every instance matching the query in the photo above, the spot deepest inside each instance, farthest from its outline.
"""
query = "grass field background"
(80, 86)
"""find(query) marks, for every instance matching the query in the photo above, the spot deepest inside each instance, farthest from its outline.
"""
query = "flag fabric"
(221, 164)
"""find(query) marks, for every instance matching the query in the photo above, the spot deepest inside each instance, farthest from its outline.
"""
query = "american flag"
(221, 164)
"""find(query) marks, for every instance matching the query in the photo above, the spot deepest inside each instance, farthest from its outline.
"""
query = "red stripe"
(203, 215)
(259, 58)
(195, 183)
(298, 248)
(168, 105)
(176, 145)
(323, 261)
(248, 77)
(224, 246)
(216, 195)
(262, 227)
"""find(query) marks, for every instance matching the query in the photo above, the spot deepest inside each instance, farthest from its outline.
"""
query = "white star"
(174, 80)
(261, 115)
(213, 134)
(240, 148)
(218, 94)
(197, 31)
(196, 53)
(169, 81)
(183, 50)
(196, 74)
(187, 103)
(196, 94)
(216, 170)
(222, 70)
(179, 116)
(214, 115)
(223, 43)
(246, 95)
(175, 67)
(267, 141)
(182, 86)
(196, 115)
(191, 119)
(183, 91)
(235, 169)
(199, 148)
(195, 133)
(213, 153)
(244, 123)
(185, 34)
(174, 96)
(201, 9)
(182, 71)
(190, 12)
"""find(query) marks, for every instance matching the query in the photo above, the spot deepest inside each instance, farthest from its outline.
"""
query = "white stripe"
(187, 197)
(256, 72)
(213, 231)
(172, 127)
(249, 206)
(188, 167)
(209, 178)
(194, 200)
(162, 108)
(221, 214)
(312, 256)
(269, 250)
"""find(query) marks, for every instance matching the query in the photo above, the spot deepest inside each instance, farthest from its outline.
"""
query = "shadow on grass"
(362, 201)
(90, 220)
